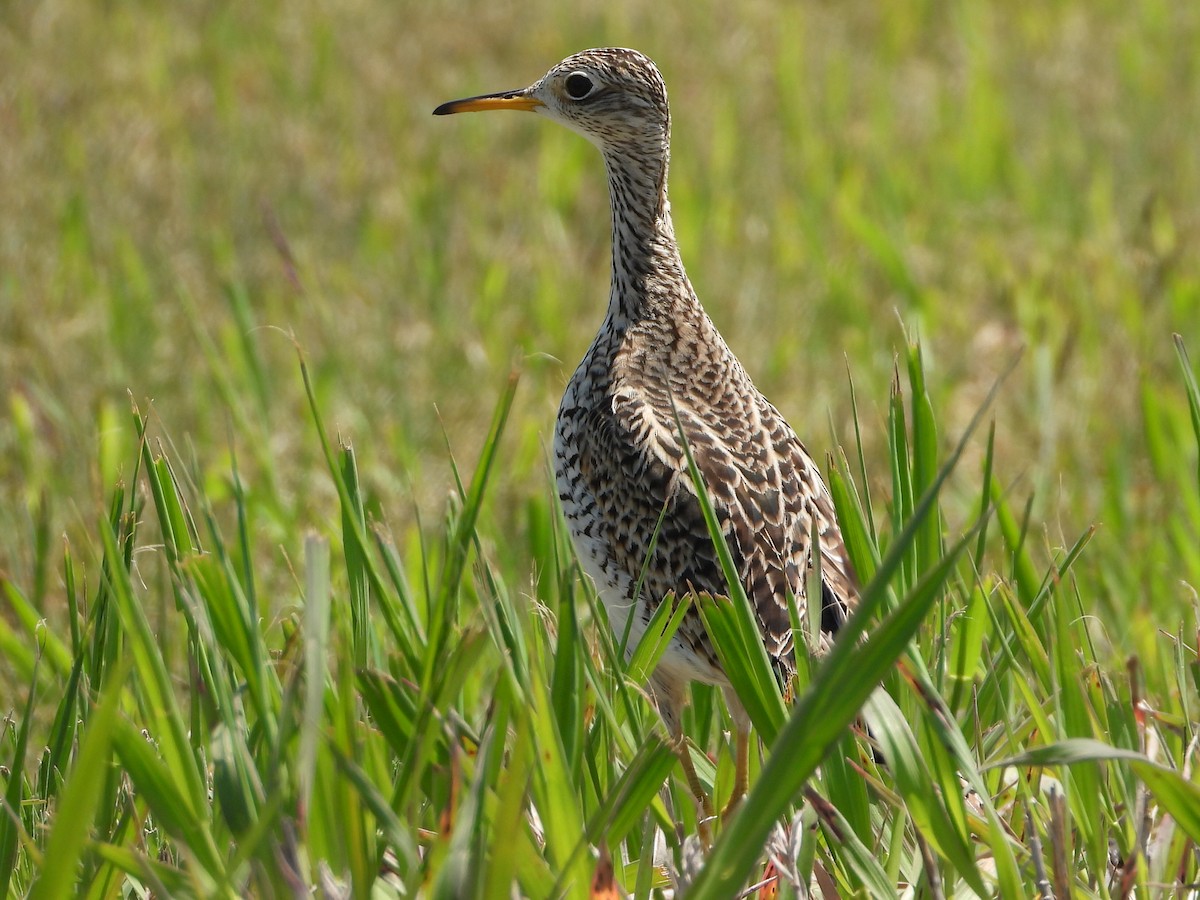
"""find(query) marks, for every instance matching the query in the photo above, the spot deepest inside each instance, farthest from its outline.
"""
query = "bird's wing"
(765, 489)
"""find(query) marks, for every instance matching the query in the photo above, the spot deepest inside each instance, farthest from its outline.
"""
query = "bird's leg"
(671, 697)
(741, 772)
(741, 752)
(703, 801)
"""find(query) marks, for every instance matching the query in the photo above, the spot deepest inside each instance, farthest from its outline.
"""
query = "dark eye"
(579, 86)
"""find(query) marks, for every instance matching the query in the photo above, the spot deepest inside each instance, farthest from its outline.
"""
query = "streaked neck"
(647, 272)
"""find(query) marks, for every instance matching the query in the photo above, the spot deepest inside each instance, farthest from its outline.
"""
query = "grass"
(285, 600)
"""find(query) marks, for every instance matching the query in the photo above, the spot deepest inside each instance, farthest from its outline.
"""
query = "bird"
(659, 378)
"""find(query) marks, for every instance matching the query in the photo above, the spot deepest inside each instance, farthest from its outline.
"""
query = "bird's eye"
(579, 86)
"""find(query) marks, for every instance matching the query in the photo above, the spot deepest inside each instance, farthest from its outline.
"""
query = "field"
(285, 603)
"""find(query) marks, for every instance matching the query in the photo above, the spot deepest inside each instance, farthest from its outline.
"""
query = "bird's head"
(615, 98)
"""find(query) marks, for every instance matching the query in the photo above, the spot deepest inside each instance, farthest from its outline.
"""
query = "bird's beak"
(504, 100)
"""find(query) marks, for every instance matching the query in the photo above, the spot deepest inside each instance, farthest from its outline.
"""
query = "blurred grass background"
(189, 189)
(189, 192)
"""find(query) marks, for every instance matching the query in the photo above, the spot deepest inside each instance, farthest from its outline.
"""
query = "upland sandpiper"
(657, 367)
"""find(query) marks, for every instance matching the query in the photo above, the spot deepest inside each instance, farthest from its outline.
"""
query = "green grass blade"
(512, 790)
(316, 651)
(661, 628)
(53, 650)
(1178, 796)
(235, 780)
(157, 698)
(397, 833)
(929, 808)
(77, 803)
(461, 540)
(857, 529)
(840, 686)
(63, 732)
(634, 791)
(733, 625)
(924, 458)
(10, 815)
(164, 792)
(1193, 395)
(163, 879)
(355, 554)
(856, 855)
(553, 795)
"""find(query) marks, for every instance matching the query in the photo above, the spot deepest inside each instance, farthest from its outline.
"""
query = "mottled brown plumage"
(618, 455)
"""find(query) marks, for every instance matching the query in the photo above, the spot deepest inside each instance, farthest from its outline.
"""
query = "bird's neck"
(648, 279)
